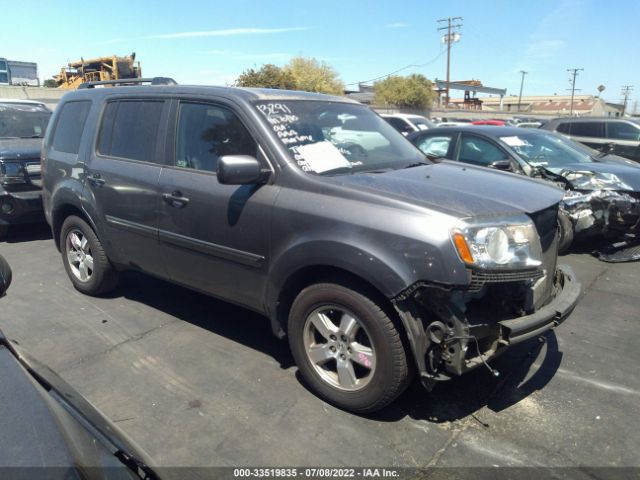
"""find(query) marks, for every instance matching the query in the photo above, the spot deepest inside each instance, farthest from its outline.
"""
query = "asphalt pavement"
(200, 382)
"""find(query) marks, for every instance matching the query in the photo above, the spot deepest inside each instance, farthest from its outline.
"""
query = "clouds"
(553, 32)
(396, 25)
(274, 56)
(228, 32)
(538, 49)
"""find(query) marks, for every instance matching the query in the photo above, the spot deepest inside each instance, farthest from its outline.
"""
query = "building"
(552, 105)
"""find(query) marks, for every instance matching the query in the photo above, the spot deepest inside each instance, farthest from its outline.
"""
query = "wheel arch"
(61, 213)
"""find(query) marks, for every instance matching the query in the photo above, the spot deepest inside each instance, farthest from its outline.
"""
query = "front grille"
(479, 279)
(546, 222)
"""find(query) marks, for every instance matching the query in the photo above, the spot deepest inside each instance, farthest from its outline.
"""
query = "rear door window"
(129, 129)
(69, 126)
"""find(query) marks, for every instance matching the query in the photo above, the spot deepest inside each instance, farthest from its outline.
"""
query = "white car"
(407, 123)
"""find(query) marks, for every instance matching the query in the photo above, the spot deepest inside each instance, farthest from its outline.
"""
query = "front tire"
(84, 258)
(566, 232)
(347, 348)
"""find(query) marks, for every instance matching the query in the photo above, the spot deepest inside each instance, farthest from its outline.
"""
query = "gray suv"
(619, 136)
(315, 212)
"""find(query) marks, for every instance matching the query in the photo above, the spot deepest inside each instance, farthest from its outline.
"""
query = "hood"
(460, 190)
(605, 174)
(18, 148)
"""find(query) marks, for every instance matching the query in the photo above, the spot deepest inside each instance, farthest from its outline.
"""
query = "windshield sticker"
(514, 141)
(422, 126)
(322, 157)
(274, 109)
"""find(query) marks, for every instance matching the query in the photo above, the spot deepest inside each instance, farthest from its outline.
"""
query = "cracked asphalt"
(198, 382)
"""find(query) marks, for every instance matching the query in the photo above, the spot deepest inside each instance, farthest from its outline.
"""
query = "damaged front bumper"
(602, 212)
(449, 339)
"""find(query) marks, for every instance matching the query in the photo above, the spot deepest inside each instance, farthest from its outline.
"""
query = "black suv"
(315, 212)
(22, 127)
(620, 136)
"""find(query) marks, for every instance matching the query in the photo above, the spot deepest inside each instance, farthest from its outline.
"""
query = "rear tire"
(347, 348)
(566, 232)
(84, 258)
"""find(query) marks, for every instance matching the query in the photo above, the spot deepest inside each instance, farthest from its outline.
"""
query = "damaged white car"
(602, 191)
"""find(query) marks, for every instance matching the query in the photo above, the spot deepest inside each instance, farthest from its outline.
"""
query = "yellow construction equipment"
(98, 69)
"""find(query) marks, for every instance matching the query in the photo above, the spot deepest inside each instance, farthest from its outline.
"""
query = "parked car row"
(602, 190)
(620, 136)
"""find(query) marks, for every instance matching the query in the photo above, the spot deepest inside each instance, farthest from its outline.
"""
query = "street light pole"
(521, 85)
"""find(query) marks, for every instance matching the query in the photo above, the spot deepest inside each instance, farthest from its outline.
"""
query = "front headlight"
(504, 244)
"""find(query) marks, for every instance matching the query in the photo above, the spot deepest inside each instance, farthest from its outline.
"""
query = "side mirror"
(608, 147)
(5, 276)
(238, 170)
(504, 165)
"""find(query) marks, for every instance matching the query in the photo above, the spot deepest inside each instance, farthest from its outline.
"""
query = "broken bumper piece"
(449, 338)
(551, 315)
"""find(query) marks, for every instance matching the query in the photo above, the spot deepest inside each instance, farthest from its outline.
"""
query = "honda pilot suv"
(22, 127)
(374, 262)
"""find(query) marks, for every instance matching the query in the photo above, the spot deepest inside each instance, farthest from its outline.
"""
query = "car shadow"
(28, 233)
(449, 401)
(218, 317)
(463, 396)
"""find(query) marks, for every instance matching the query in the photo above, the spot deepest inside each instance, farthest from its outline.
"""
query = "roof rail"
(131, 81)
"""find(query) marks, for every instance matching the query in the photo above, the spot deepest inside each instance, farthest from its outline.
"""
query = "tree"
(413, 91)
(50, 83)
(268, 76)
(313, 76)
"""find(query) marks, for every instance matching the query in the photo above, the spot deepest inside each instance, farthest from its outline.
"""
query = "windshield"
(546, 150)
(422, 123)
(23, 121)
(327, 138)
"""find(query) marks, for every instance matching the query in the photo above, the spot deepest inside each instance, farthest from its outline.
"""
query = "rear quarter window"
(69, 126)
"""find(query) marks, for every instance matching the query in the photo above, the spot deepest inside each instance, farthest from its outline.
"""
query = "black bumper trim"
(551, 315)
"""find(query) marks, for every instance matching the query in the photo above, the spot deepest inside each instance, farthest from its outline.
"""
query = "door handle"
(96, 180)
(175, 199)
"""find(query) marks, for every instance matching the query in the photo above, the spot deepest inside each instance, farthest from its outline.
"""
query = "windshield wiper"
(32, 136)
(338, 171)
(416, 164)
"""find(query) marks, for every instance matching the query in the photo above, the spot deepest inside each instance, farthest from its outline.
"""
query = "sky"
(212, 42)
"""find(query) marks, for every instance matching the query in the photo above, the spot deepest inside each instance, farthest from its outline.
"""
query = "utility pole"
(521, 85)
(574, 72)
(626, 91)
(449, 38)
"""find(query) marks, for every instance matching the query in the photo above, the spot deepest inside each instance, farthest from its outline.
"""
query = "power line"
(573, 85)
(450, 37)
(626, 91)
(399, 70)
